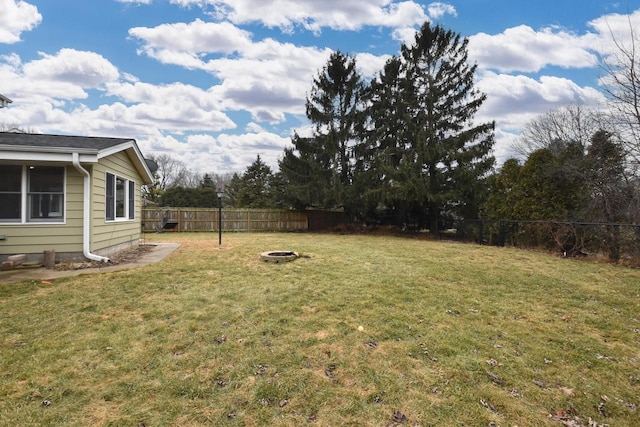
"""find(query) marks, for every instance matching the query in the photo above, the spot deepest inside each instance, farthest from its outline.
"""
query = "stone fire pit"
(278, 256)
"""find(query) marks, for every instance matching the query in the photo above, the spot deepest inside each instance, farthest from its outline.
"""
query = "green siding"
(61, 237)
(67, 237)
(106, 234)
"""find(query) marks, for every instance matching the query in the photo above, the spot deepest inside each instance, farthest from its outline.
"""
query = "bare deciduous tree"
(622, 85)
(171, 172)
(568, 124)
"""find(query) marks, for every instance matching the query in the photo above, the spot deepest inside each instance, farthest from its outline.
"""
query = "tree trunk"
(613, 243)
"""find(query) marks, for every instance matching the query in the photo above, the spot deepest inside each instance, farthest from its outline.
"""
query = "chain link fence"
(613, 241)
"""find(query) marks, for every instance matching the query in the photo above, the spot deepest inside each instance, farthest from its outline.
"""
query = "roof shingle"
(60, 141)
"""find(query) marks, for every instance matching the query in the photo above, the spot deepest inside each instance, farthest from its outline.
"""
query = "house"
(4, 101)
(74, 195)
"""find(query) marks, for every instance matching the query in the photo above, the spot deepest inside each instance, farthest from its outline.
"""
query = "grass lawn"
(452, 335)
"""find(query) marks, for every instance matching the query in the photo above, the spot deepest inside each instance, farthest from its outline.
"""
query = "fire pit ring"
(278, 256)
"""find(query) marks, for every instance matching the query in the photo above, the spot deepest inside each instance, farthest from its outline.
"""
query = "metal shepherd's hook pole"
(220, 194)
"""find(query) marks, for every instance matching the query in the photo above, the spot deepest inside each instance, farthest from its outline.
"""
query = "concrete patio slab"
(158, 252)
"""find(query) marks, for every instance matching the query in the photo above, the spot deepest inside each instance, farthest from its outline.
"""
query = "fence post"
(503, 233)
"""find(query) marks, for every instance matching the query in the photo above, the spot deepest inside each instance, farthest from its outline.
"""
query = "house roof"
(58, 148)
(45, 142)
(4, 101)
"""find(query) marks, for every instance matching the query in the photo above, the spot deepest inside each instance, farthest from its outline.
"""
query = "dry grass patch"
(452, 334)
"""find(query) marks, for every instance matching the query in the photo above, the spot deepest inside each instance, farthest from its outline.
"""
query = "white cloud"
(33, 82)
(246, 147)
(515, 100)
(266, 78)
(523, 49)
(507, 94)
(16, 17)
(194, 37)
(268, 82)
(438, 10)
(176, 107)
(225, 153)
(253, 127)
(615, 31)
(315, 15)
(370, 65)
(81, 68)
(50, 93)
(406, 35)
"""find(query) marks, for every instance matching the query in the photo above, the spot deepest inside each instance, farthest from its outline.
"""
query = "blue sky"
(214, 83)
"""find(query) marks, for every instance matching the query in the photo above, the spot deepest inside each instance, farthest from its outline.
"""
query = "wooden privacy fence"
(206, 219)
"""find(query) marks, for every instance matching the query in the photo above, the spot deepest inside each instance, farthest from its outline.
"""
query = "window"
(119, 198)
(110, 198)
(46, 193)
(32, 194)
(10, 193)
(132, 200)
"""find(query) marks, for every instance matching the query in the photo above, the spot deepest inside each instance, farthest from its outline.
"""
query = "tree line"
(401, 148)
(404, 148)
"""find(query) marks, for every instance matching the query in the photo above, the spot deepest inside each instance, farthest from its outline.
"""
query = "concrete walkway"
(157, 253)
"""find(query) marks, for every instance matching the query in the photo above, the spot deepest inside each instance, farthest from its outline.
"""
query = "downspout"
(86, 217)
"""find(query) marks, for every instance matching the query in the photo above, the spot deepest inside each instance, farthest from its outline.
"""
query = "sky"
(215, 83)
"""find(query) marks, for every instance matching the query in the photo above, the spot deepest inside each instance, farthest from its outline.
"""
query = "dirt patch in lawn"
(125, 256)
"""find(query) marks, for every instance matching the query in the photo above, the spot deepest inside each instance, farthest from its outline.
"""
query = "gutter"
(86, 217)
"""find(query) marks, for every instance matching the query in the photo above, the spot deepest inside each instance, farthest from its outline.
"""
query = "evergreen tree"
(446, 155)
(335, 111)
(386, 139)
(503, 192)
(552, 184)
(232, 190)
(207, 181)
(417, 154)
(255, 186)
(305, 174)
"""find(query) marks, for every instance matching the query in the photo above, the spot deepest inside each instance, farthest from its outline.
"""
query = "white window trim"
(125, 218)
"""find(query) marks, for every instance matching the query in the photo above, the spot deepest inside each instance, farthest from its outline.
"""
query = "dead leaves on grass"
(496, 379)
(568, 418)
(261, 369)
(399, 417)
(566, 390)
(489, 406)
(371, 344)
(493, 362)
(329, 371)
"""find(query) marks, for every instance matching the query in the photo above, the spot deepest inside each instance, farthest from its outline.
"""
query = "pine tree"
(255, 186)
(379, 158)
(232, 190)
(447, 155)
(335, 111)
(503, 192)
(207, 181)
(305, 174)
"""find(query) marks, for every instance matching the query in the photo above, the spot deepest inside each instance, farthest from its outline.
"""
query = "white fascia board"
(40, 149)
(136, 157)
(116, 149)
(39, 156)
